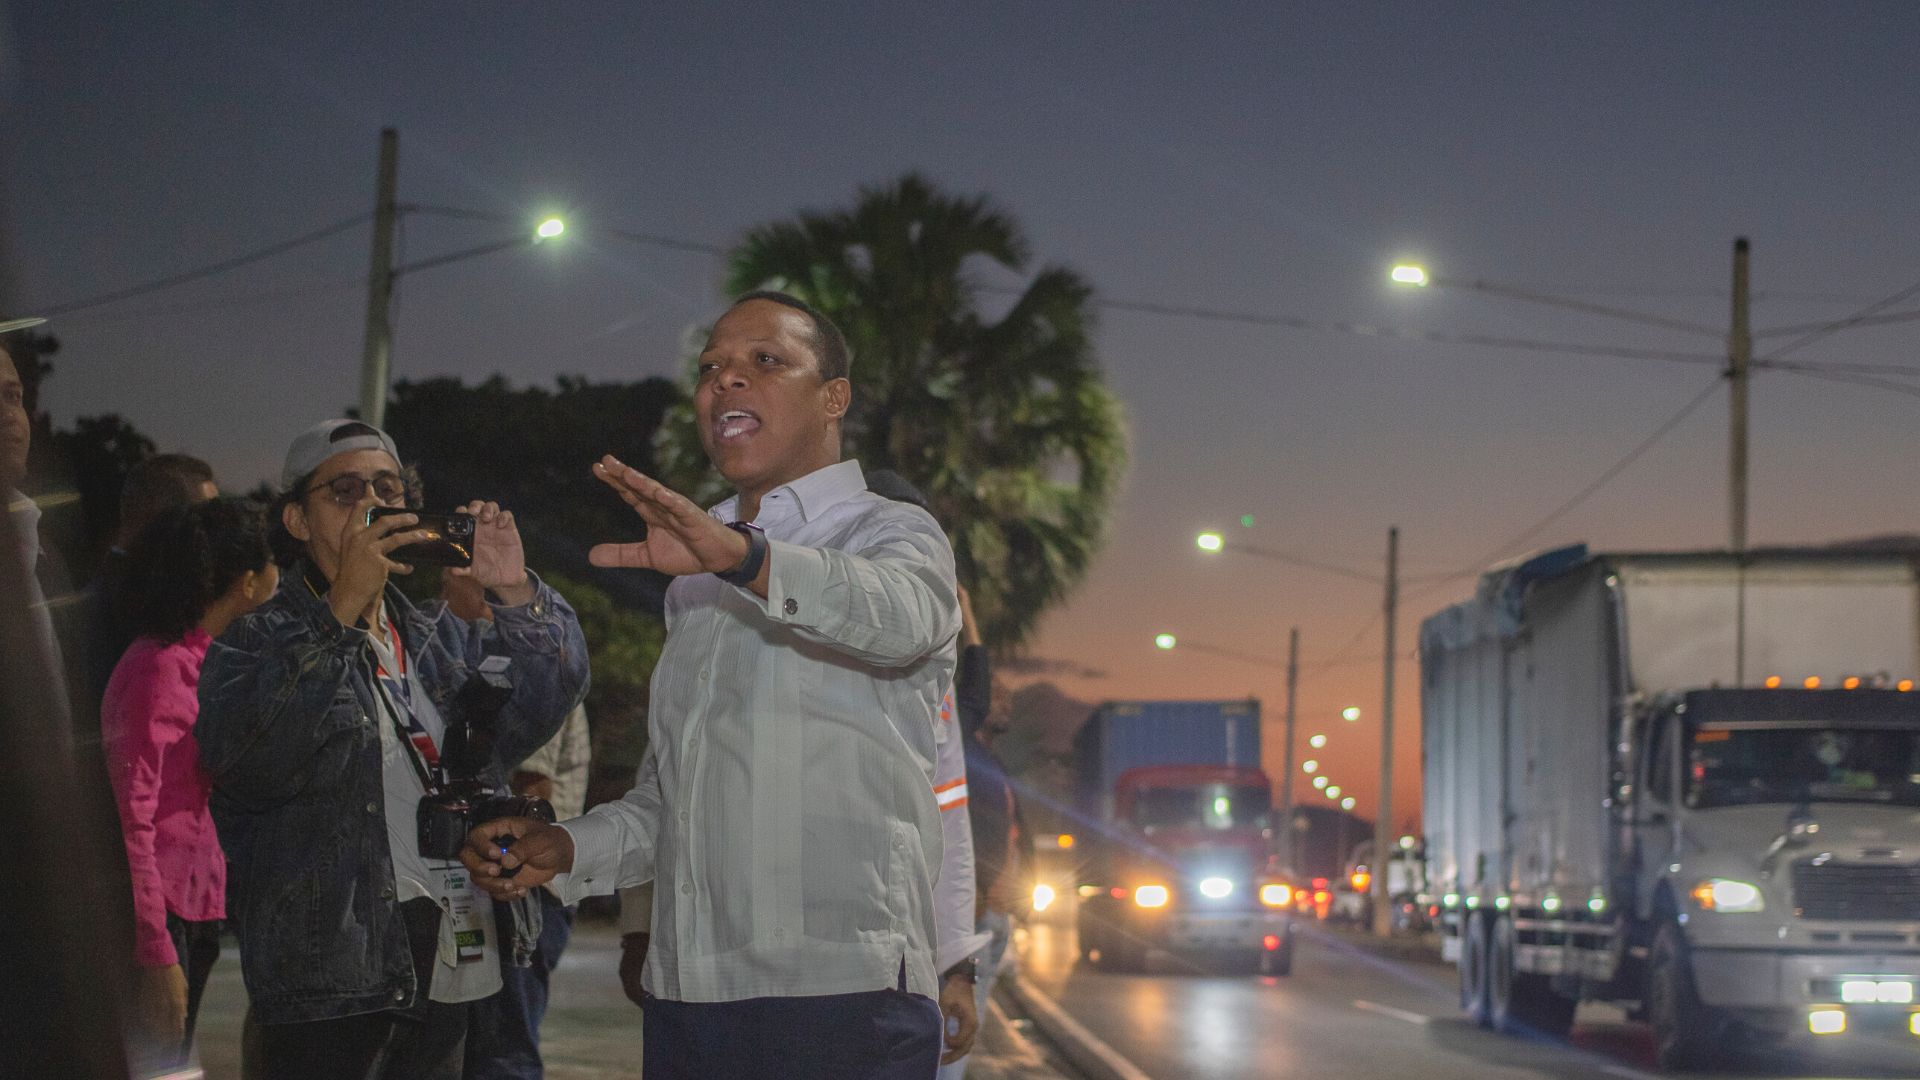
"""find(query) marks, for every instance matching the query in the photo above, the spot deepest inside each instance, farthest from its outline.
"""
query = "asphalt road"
(1347, 1014)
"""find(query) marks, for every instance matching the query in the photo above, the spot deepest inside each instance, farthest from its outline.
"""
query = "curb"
(1088, 1052)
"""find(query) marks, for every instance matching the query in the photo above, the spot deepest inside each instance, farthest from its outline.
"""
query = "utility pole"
(1286, 774)
(1739, 365)
(1739, 371)
(1383, 836)
(379, 340)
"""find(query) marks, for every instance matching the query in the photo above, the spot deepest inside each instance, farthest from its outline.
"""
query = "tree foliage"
(1000, 416)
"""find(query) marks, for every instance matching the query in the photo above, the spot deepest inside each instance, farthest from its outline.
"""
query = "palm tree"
(1004, 421)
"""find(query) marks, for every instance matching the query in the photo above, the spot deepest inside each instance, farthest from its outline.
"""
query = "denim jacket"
(286, 731)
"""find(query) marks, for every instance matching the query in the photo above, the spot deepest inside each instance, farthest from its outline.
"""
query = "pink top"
(146, 720)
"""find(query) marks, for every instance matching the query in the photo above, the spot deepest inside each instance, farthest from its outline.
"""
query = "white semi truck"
(1688, 783)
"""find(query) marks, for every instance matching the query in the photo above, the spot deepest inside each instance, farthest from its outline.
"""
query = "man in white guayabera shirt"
(785, 807)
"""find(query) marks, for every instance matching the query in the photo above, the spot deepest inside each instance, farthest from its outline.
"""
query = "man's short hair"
(161, 483)
(828, 343)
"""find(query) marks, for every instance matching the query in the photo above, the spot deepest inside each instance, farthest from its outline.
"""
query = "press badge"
(464, 917)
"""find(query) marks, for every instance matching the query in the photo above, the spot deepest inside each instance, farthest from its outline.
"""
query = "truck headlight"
(1043, 897)
(1275, 894)
(1728, 896)
(1151, 896)
(1216, 888)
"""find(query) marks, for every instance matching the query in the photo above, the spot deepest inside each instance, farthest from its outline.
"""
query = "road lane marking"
(1398, 1014)
(1056, 1019)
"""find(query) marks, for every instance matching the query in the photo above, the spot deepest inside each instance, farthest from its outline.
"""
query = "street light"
(1320, 782)
(1165, 641)
(1317, 741)
(1333, 791)
(1209, 541)
(1350, 714)
(550, 228)
(1409, 274)
(1310, 766)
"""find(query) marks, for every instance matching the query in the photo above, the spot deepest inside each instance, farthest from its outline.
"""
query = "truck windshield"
(1205, 806)
(1740, 767)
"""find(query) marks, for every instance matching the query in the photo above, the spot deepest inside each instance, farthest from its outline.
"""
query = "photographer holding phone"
(322, 718)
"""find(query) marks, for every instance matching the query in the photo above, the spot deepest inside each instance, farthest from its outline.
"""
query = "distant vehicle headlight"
(1151, 896)
(1216, 888)
(1276, 895)
(1728, 896)
(1042, 897)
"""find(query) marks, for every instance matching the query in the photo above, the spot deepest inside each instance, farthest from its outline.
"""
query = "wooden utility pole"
(1383, 835)
(378, 348)
(1286, 773)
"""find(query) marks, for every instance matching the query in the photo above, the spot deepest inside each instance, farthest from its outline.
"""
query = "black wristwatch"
(744, 574)
(968, 969)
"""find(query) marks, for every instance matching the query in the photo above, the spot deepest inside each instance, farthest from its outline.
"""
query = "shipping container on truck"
(1179, 827)
(1685, 782)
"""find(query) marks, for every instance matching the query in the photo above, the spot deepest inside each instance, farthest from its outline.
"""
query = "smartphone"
(449, 541)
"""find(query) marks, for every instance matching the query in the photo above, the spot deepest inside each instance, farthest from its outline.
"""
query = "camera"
(466, 799)
(449, 539)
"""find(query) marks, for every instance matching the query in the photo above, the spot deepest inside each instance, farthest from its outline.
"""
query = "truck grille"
(1842, 891)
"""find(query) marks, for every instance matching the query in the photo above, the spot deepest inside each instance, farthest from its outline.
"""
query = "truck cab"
(1186, 865)
(1772, 844)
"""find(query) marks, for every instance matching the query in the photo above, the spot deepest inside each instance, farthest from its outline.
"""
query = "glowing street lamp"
(1165, 641)
(1317, 741)
(1333, 791)
(550, 228)
(1210, 541)
(1350, 713)
(1347, 803)
(1320, 782)
(1310, 766)
(1410, 274)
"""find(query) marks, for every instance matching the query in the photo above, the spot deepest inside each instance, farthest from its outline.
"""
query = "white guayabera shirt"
(785, 807)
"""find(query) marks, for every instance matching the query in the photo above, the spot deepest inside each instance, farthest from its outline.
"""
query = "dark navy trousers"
(877, 1035)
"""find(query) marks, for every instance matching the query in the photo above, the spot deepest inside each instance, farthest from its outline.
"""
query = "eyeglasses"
(349, 488)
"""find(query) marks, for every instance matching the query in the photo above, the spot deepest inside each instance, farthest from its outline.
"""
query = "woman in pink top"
(192, 572)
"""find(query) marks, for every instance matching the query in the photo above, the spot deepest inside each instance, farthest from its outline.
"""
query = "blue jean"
(992, 959)
(503, 1032)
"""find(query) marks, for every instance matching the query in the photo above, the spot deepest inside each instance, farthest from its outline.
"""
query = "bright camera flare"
(1165, 641)
(1216, 888)
(1209, 541)
(1409, 274)
(1310, 766)
(1333, 791)
(1320, 781)
(1151, 896)
(1350, 713)
(1347, 803)
(1066, 841)
(1042, 896)
(550, 228)
(1317, 741)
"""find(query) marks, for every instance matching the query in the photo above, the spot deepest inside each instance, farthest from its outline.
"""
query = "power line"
(292, 292)
(1565, 508)
(1856, 319)
(207, 271)
(1852, 321)
(1828, 374)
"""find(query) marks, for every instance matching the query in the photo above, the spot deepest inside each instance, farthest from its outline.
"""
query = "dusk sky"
(1258, 158)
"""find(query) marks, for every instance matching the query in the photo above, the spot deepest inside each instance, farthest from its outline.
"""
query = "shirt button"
(399, 995)
(386, 892)
(687, 889)
(703, 676)
(373, 808)
(792, 606)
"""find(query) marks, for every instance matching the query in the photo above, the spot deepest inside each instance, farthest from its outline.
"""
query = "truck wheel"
(1522, 1003)
(1473, 970)
(1685, 1031)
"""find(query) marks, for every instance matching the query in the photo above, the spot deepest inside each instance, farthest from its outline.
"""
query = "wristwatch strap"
(744, 574)
(968, 968)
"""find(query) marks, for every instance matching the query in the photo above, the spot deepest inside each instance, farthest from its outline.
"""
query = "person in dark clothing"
(322, 719)
(155, 486)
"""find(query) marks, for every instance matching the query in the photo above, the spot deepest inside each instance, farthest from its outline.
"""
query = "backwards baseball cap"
(329, 437)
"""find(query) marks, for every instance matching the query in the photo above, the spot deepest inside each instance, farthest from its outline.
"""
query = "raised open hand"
(681, 538)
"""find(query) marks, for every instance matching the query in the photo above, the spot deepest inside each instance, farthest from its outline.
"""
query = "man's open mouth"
(735, 425)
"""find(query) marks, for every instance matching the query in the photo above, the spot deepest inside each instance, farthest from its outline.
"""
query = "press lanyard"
(421, 753)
